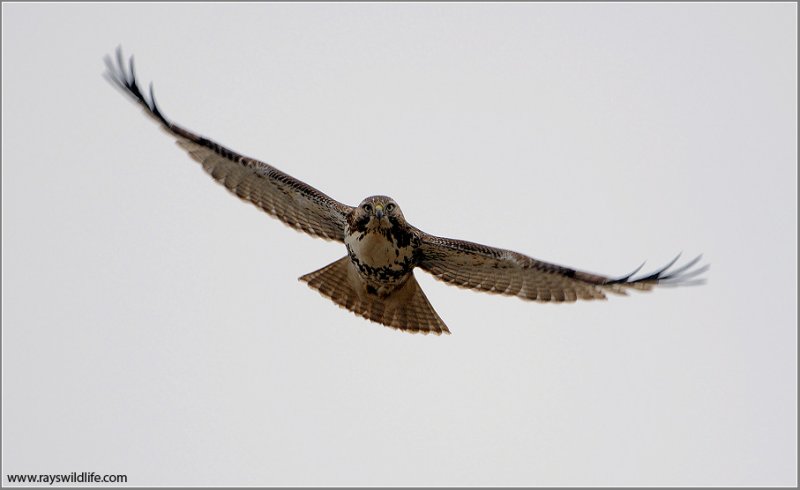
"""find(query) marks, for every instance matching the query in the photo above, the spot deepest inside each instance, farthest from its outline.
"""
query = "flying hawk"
(376, 278)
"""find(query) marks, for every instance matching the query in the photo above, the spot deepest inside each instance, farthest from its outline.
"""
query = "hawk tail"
(406, 308)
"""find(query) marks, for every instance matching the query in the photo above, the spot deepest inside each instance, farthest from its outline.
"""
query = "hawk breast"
(380, 260)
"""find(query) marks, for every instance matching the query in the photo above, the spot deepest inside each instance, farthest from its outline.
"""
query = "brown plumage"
(406, 308)
(376, 278)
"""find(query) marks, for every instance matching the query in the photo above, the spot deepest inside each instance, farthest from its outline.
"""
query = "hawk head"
(378, 212)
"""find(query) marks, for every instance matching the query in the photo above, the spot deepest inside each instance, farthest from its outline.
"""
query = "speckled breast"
(380, 261)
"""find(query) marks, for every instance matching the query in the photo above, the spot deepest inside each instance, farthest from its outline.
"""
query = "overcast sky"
(153, 324)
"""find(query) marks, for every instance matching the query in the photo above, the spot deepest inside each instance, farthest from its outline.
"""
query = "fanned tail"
(406, 308)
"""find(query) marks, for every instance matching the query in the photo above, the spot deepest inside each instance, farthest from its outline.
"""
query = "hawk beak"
(379, 212)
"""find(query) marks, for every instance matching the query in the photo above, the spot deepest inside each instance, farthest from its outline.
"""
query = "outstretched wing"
(294, 202)
(495, 270)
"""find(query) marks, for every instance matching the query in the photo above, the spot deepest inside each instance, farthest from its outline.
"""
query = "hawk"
(376, 278)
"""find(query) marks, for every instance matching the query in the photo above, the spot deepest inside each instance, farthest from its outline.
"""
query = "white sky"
(153, 324)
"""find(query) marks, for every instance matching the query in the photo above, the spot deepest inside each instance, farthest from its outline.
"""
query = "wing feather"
(495, 270)
(290, 200)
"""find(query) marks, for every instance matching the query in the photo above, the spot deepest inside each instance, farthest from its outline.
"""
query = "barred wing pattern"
(294, 202)
(474, 266)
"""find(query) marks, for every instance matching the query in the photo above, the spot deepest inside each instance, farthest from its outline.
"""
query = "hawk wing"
(475, 266)
(294, 202)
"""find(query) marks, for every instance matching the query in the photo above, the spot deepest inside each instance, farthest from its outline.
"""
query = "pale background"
(153, 324)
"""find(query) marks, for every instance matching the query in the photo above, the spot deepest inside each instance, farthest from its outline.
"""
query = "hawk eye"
(390, 207)
(367, 208)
